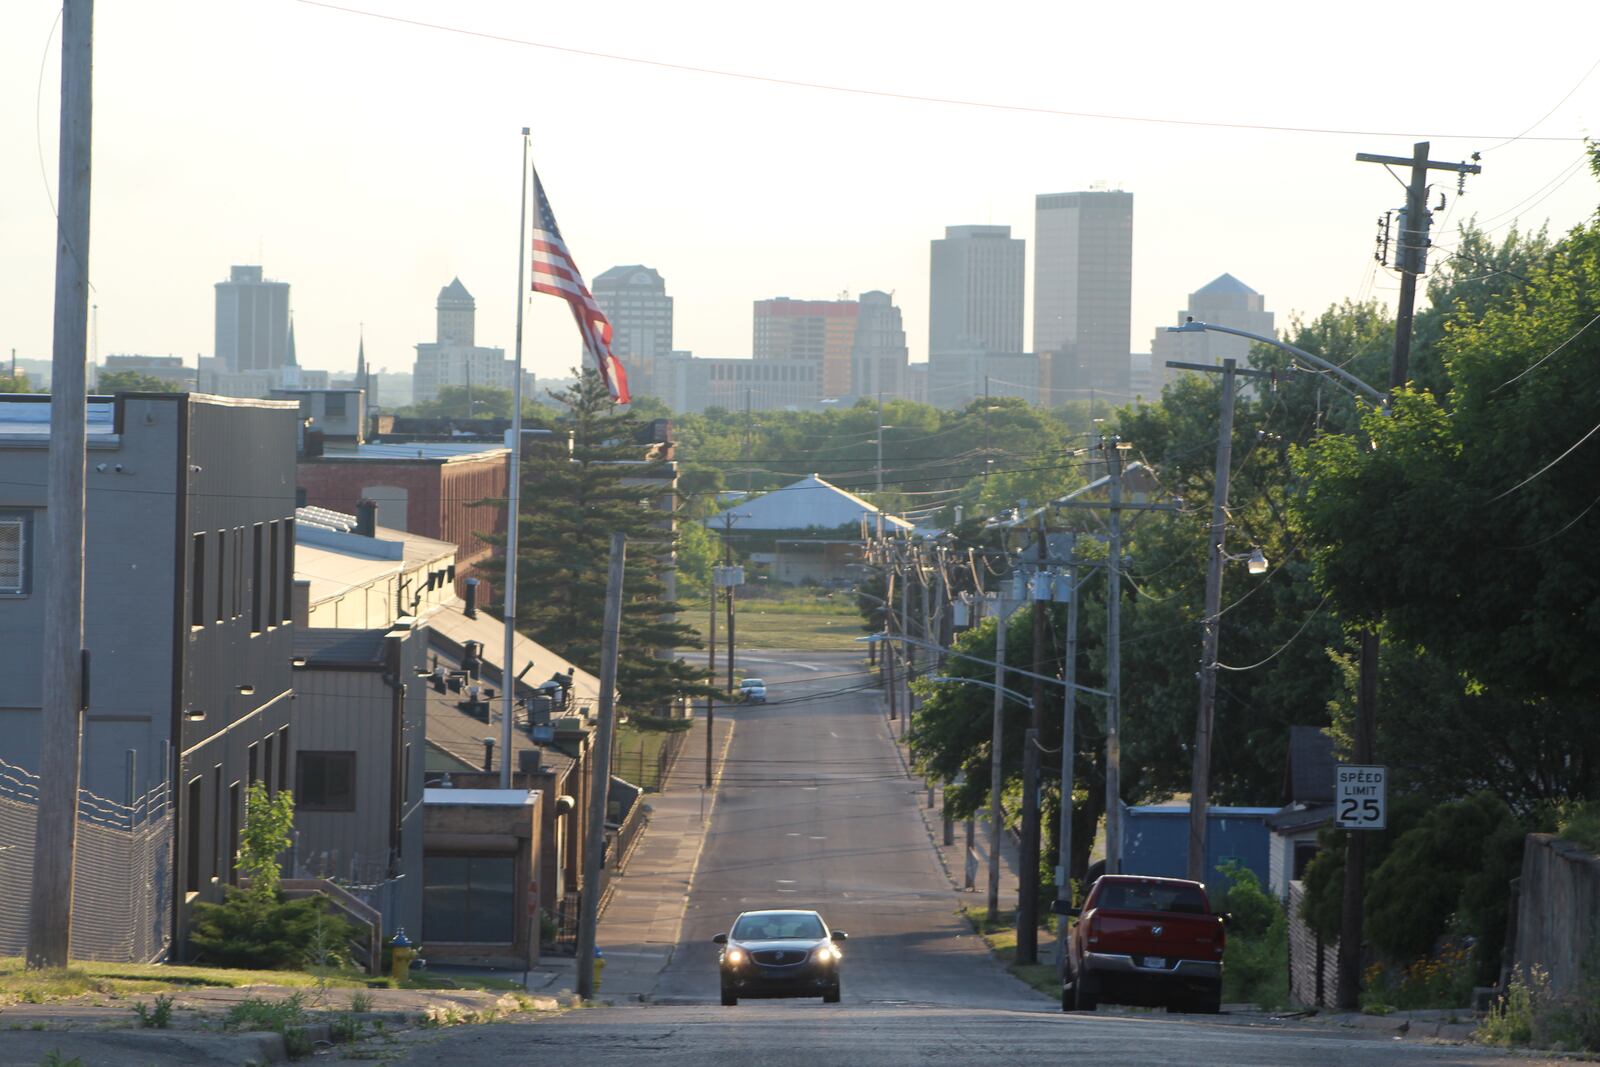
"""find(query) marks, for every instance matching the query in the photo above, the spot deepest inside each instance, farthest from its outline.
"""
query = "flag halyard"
(555, 274)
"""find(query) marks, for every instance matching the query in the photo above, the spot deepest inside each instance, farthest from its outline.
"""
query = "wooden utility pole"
(1412, 262)
(888, 644)
(1069, 742)
(997, 755)
(600, 755)
(908, 652)
(711, 669)
(64, 660)
(1200, 774)
(1113, 451)
(1028, 874)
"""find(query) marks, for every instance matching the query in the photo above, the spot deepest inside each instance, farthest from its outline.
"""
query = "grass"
(634, 754)
(1581, 824)
(1001, 937)
(799, 620)
(20, 985)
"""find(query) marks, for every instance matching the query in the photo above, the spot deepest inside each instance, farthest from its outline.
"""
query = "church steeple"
(289, 358)
(361, 359)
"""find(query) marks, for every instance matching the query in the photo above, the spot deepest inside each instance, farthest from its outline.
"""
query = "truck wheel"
(1068, 998)
(1085, 997)
(1209, 1000)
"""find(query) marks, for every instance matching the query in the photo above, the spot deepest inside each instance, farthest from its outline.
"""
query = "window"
(272, 575)
(326, 782)
(469, 899)
(255, 763)
(14, 530)
(257, 586)
(191, 874)
(235, 826)
(288, 570)
(283, 758)
(238, 572)
(197, 583)
(333, 404)
(267, 763)
(216, 813)
(222, 575)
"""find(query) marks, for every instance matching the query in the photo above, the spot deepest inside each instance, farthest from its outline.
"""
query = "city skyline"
(362, 238)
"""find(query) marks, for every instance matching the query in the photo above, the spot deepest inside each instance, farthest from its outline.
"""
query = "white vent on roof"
(323, 519)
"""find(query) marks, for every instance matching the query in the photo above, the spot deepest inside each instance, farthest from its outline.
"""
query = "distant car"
(753, 691)
(1145, 940)
(780, 954)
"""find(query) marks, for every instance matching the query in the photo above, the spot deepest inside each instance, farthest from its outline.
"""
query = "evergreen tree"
(570, 508)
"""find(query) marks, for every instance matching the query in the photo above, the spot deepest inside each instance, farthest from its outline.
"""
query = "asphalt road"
(815, 811)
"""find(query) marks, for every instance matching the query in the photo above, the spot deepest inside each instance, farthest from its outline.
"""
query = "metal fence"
(122, 880)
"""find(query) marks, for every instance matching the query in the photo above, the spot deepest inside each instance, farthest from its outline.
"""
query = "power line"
(887, 94)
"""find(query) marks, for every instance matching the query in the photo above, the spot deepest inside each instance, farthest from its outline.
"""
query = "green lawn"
(1001, 937)
(799, 620)
(634, 753)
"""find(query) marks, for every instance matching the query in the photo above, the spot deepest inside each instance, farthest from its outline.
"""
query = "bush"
(1580, 824)
(1255, 965)
(252, 930)
(155, 1016)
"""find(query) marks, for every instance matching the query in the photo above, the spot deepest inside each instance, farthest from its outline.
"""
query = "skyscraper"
(635, 299)
(452, 358)
(878, 356)
(1225, 301)
(820, 331)
(1083, 288)
(975, 290)
(252, 324)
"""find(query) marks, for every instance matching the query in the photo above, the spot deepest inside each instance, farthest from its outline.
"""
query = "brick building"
(425, 487)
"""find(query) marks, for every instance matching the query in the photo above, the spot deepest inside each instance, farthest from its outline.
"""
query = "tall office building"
(453, 359)
(1225, 301)
(975, 290)
(878, 356)
(1083, 289)
(635, 299)
(819, 331)
(252, 324)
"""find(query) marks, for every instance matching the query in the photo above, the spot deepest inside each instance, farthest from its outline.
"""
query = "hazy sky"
(366, 162)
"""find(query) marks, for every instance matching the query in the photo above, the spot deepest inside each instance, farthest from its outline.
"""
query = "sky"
(367, 161)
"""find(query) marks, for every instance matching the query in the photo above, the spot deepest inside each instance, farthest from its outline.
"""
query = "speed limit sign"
(1359, 797)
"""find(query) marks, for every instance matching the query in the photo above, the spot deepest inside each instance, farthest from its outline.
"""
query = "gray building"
(454, 358)
(976, 283)
(635, 300)
(336, 414)
(956, 379)
(879, 357)
(189, 565)
(252, 325)
(691, 383)
(1083, 289)
(1226, 301)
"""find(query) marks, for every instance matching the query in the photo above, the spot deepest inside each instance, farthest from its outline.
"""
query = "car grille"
(779, 957)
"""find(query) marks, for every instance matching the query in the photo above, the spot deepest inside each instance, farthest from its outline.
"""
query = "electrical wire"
(1261, 663)
(1532, 366)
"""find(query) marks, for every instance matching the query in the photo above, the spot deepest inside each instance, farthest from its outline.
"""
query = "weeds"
(256, 1013)
(54, 1060)
(1510, 1022)
(343, 1029)
(360, 1002)
(157, 1015)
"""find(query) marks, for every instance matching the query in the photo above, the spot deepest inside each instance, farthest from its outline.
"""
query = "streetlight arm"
(1012, 693)
(1299, 353)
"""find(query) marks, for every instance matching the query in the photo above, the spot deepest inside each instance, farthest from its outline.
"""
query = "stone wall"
(1304, 957)
(1558, 911)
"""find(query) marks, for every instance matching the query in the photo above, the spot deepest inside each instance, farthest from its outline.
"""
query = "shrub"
(256, 931)
(157, 1015)
(268, 821)
(1440, 980)
(257, 1013)
(1580, 824)
(1255, 965)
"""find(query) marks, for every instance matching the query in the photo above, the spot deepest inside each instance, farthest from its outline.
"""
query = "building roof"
(507, 798)
(325, 644)
(332, 572)
(415, 451)
(1225, 285)
(457, 732)
(450, 627)
(633, 274)
(28, 415)
(455, 292)
(810, 503)
(335, 559)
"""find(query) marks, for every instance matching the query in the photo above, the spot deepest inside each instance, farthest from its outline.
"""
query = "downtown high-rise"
(1083, 290)
(975, 290)
(634, 299)
(252, 323)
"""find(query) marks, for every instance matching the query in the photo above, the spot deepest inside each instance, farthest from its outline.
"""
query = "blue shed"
(1155, 841)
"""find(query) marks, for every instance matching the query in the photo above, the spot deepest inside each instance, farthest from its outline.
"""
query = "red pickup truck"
(1140, 940)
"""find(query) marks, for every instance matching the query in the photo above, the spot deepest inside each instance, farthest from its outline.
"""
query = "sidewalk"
(639, 927)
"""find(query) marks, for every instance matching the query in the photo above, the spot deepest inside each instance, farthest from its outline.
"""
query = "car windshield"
(773, 927)
(1125, 896)
(751, 683)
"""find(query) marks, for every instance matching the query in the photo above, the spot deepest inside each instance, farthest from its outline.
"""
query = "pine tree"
(570, 508)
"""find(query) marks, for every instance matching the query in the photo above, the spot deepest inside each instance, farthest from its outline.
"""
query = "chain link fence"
(122, 879)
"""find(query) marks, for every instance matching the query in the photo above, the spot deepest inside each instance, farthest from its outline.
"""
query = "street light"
(1316, 362)
(1020, 698)
(1257, 563)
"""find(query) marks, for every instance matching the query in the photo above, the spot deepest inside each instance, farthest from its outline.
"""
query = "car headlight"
(826, 954)
(734, 956)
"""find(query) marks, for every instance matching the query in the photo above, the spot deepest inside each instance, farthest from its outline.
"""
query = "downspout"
(393, 647)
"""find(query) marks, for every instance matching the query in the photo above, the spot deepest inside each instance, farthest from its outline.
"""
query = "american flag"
(555, 273)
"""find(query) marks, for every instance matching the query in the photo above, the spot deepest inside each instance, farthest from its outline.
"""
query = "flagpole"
(508, 670)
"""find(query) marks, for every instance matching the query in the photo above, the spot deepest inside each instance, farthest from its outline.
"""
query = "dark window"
(191, 874)
(216, 828)
(326, 782)
(257, 586)
(283, 758)
(15, 528)
(288, 570)
(197, 587)
(222, 575)
(238, 573)
(1151, 896)
(235, 829)
(469, 899)
(255, 754)
(1304, 853)
(273, 551)
(333, 404)
(267, 764)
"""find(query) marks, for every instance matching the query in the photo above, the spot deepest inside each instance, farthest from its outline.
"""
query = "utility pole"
(996, 755)
(65, 660)
(1069, 743)
(727, 568)
(1200, 774)
(1412, 262)
(908, 651)
(1028, 875)
(595, 831)
(880, 441)
(888, 644)
(711, 669)
(1113, 450)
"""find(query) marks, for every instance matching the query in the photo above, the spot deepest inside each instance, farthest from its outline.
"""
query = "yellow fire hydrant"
(599, 967)
(401, 953)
